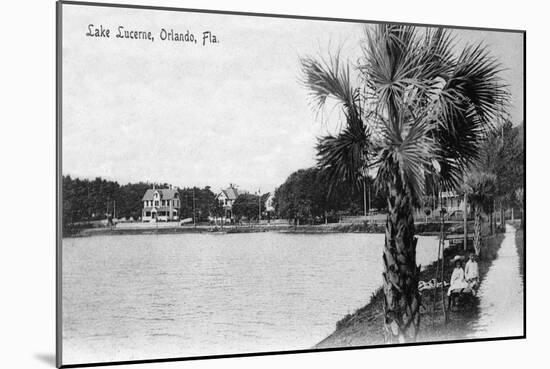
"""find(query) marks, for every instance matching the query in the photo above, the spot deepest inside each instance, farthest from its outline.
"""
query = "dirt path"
(501, 294)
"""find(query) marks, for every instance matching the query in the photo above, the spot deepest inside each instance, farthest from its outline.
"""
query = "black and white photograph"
(239, 184)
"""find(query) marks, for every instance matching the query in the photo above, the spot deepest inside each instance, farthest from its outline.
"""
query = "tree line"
(495, 182)
(309, 196)
(306, 196)
(87, 200)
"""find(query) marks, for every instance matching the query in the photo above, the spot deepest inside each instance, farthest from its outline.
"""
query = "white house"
(269, 202)
(452, 201)
(161, 204)
(227, 198)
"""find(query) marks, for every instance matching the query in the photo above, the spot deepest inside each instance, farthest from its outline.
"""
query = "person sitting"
(471, 273)
(458, 283)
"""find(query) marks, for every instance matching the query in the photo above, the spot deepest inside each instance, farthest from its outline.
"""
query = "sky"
(234, 111)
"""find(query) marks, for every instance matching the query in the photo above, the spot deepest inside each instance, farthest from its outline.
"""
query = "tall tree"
(306, 195)
(503, 156)
(419, 109)
(248, 205)
(202, 201)
(480, 187)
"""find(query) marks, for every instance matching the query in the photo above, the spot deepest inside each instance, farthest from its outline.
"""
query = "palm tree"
(480, 188)
(416, 114)
(490, 162)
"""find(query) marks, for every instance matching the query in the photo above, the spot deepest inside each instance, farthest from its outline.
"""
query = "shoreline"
(365, 326)
(424, 229)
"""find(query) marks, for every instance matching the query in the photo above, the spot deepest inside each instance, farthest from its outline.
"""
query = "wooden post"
(194, 222)
(259, 207)
(365, 197)
(370, 199)
(465, 221)
(502, 219)
(443, 284)
(442, 237)
(436, 275)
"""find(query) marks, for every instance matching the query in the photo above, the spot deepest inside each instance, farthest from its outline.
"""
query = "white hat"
(457, 258)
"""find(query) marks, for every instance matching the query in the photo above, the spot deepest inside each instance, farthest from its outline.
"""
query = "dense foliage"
(307, 196)
(249, 206)
(504, 157)
(88, 200)
(205, 205)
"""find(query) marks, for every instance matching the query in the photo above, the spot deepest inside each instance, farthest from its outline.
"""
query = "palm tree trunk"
(477, 230)
(400, 276)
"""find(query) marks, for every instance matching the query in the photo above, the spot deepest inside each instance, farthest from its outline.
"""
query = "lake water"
(163, 296)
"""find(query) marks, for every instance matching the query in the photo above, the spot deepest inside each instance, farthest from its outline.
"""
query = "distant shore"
(365, 326)
(174, 228)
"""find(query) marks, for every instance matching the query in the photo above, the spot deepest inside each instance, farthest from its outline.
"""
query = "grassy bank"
(520, 244)
(337, 228)
(365, 326)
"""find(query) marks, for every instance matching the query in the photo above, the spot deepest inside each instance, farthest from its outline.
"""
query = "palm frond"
(345, 156)
(481, 188)
(330, 78)
(425, 104)
(467, 106)
(390, 67)
(408, 153)
(474, 87)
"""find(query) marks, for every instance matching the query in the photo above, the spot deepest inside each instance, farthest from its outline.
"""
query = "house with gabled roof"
(227, 198)
(160, 204)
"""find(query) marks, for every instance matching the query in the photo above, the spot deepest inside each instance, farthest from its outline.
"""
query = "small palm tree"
(416, 113)
(480, 188)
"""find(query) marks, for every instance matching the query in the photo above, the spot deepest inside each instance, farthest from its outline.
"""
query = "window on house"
(147, 213)
(156, 203)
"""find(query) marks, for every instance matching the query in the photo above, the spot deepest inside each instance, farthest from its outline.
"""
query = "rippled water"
(161, 296)
(501, 294)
